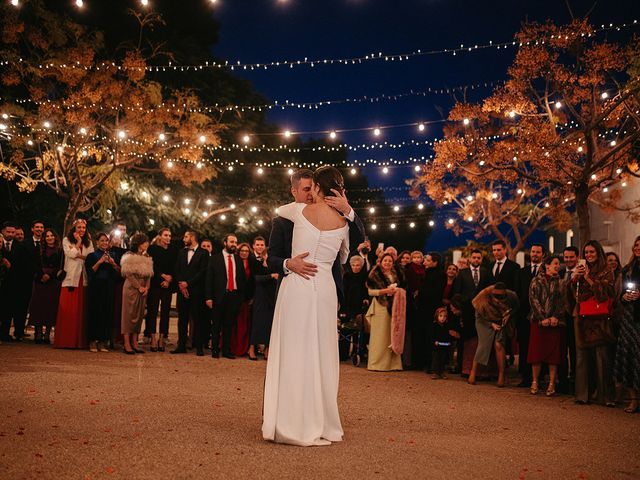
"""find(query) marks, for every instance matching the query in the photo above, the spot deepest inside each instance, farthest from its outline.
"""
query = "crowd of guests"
(98, 292)
(574, 319)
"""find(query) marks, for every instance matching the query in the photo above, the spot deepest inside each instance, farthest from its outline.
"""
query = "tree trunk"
(584, 216)
(70, 216)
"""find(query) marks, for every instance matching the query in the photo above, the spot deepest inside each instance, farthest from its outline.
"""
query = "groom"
(280, 260)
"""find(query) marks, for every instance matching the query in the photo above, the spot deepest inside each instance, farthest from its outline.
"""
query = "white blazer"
(73, 265)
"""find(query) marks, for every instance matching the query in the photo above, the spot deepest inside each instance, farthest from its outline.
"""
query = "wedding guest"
(428, 300)
(451, 274)
(19, 234)
(207, 245)
(523, 327)
(627, 360)
(495, 308)
(137, 269)
(503, 269)
(415, 273)
(444, 333)
(17, 281)
(70, 321)
(164, 257)
(595, 284)
(364, 252)
(613, 262)
(469, 282)
(264, 301)
(32, 246)
(117, 250)
(393, 252)
(46, 287)
(384, 279)
(242, 326)
(547, 300)
(190, 272)
(102, 272)
(567, 369)
(404, 258)
(355, 289)
(225, 287)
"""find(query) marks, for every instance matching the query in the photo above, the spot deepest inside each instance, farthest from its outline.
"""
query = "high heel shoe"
(136, 350)
(534, 388)
(550, 392)
(129, 352)
(632, 407)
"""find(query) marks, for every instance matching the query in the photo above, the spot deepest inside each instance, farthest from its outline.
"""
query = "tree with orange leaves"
(560, 131)
(90, 115)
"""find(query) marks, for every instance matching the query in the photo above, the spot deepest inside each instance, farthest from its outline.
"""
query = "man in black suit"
(502, 269)
(567, 369)
(280, 260)
(469, 282)
(16, 286)
(225, 289)
(190, 271)
(526, 274)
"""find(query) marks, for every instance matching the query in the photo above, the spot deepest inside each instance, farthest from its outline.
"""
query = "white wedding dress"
(301, 387)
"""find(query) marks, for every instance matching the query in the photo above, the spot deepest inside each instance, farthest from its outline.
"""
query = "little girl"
(443, 335)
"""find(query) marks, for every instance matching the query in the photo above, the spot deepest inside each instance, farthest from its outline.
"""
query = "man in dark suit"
(502, 269)
(469, 282)
(567, 369)
(16, 286)
(280, 260)
(225, 289)
(526, 274)
(190, 271)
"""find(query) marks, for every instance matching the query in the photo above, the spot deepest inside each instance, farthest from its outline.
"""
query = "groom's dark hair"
(299, 175)
(327, 178)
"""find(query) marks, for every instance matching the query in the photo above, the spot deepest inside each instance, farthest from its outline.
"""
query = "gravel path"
(78, 415)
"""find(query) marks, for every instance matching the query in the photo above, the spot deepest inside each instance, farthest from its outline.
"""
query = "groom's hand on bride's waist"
(297, 265)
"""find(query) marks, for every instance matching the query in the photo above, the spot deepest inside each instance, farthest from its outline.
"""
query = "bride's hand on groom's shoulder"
(339, 202)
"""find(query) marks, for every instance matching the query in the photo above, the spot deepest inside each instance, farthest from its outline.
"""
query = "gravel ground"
(81, 415)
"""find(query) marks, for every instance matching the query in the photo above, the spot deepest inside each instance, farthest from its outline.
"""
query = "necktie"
(535, 270)
(7, 246)
(476, 277)
(190, 253)
(568, 273)
(230, 283)
(498, 268)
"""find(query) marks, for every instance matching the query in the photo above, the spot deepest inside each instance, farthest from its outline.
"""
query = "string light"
(374, 226)
(332, 135)
(466, 121)
(421, 127)
(376, 132)
(431, 223)
(385, 170)
(396, 208)
(372, 210)
(122, 134)
(558, 105)
(223, 217)
(209, 202)
(604, 95)
(393, 226)
(79, 3)
(165, 198)
(379, 56)
(353, 171)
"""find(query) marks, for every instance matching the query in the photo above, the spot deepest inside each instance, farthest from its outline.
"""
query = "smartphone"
(632, 288)
(582, 262)
(380, 246)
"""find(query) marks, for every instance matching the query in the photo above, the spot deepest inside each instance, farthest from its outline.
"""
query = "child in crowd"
(443, 334)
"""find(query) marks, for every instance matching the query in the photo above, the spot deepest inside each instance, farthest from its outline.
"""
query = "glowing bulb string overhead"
(276, 104)
(306, 61)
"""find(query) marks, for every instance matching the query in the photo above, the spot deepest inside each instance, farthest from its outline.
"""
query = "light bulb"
(223, 217)
(420, 206)
(558, 104)
(393, 226)
(162, 136)
(165, 198)
(246, 139)
(287, 133)
(374, 227)
(353, 171)
(144, 2)
(290, 171)
(83, 131)
(46, 124)
(187, 211)
(79, 3)
(122, 134)
(421, 127)
(372, 210)
(205, 214)
(466, 121)
(450, 221)
(230, 168)
(187, 201)
(604, 95)
(260, 171)
(209, 201)
(169, 164)
(385, 170)
(260, 222)
(232, 206)
(431, 223)
(241, 220)
(417, 168)
(332, 135)
(469, 198)
(412, 225)
(199, 165)
(377, 132)
(202, 139)
(254, 209)
(396, 208)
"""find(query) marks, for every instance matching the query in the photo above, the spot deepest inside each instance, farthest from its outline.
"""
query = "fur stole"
(490, 310)
(136, 265)
(398, 320)
(377, 281)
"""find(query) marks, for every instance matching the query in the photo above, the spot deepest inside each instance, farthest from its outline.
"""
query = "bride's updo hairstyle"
(327, 178)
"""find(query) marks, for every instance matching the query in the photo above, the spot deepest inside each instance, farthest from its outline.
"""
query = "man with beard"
(190, 271)
(224, 292)
(16, 286)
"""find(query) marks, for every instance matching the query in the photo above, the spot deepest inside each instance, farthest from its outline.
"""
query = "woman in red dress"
(70, 322)
(547, 296)
(242, 327)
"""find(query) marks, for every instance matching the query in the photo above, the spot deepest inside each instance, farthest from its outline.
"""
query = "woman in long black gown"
(264, 301)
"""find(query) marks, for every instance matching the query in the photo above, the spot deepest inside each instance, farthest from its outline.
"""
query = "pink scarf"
(398, 320)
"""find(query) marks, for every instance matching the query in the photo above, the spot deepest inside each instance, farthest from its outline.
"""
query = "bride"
(301, 387)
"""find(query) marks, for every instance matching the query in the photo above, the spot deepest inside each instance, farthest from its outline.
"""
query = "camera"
(632, 287)
(365, 250)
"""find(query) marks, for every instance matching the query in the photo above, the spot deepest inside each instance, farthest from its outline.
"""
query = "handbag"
(591, 306)
(61, 273)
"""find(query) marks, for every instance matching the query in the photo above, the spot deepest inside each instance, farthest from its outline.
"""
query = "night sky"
(270, 30)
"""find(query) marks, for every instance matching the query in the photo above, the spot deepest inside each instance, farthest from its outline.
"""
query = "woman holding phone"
(627, 363)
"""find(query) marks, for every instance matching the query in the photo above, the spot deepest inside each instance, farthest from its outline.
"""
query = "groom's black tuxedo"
(280, 248)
